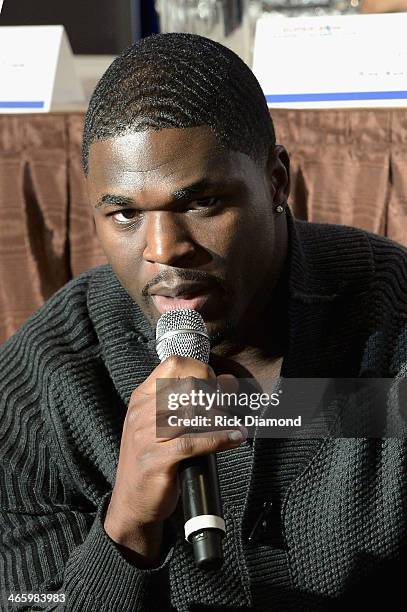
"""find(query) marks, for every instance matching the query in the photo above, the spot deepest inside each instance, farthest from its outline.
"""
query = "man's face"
(185, 223)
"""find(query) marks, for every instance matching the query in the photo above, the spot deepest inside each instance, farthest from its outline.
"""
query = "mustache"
(212, 282)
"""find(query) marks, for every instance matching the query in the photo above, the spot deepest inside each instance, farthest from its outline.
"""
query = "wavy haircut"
(180, 81)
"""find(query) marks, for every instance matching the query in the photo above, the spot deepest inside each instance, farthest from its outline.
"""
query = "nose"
(167, 239)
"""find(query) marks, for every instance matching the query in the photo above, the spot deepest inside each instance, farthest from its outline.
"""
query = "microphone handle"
(201, 497)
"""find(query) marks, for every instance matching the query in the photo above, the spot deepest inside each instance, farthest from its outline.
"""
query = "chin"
(220, 331)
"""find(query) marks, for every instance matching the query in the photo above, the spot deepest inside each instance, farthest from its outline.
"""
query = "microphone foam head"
(182, 332)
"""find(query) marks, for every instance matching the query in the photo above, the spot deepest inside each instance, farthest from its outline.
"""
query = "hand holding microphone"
(147, 486)
(183, 332)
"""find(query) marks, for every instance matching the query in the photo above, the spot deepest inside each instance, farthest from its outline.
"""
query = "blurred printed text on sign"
(342, 61)
(36, 71)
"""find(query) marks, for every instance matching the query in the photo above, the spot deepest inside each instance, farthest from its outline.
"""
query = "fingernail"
(235, 435)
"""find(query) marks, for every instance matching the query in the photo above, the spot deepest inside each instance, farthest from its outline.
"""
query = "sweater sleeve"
(52, 539)
(97, 572)
(38, 557)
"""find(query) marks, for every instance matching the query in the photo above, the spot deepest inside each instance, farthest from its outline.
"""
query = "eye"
(124, 217)
(205, 203)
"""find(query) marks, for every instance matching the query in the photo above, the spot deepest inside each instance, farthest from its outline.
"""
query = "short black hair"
(180, 80)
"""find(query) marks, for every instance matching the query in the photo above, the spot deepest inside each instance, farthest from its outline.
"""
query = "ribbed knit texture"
(338, 506)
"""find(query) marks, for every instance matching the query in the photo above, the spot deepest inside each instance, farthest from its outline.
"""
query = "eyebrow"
(185, 193)
(112, 200)
(181, 194)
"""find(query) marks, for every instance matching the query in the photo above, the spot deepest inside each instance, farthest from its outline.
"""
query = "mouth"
(194, 301)
(204, 295)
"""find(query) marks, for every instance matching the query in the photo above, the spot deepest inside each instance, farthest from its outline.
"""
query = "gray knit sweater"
(337, 525)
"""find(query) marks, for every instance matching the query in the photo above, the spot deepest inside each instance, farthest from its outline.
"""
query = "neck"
(259, 341)
(261, 334)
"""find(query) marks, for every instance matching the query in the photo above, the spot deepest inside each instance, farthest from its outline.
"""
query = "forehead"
(138, 160)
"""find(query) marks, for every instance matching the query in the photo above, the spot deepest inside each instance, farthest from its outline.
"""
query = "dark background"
(93, 26)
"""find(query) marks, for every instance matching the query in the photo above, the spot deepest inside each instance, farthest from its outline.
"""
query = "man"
(189, 193)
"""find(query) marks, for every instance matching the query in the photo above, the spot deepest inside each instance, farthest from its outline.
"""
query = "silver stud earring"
(279, 209)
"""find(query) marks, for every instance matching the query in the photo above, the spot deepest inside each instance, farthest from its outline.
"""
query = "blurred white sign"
(332, 62)
(1, 4)
(37, 73)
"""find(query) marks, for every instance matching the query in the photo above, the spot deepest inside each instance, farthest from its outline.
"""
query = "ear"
(278, 172)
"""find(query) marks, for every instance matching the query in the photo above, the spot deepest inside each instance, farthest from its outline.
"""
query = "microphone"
(182, 332)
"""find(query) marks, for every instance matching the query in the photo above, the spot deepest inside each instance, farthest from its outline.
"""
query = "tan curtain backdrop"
(46, 230)
(348, 167)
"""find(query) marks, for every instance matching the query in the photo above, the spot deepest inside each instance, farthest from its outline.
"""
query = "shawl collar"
(330, 273)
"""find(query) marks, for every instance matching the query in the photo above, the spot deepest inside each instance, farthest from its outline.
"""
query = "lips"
(195, 301)
(184, 293)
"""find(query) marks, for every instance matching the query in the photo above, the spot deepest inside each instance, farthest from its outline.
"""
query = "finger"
(170, 426)
(228, 383)
(176, 368)
(196, 445)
